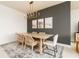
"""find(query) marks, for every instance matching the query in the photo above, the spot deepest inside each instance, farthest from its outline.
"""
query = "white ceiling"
(23, 6)
(75, 5)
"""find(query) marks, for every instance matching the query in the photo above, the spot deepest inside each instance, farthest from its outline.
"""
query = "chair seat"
(35, 43)
(32, 44)
(50, 43)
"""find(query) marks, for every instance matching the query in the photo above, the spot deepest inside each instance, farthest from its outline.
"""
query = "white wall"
(74, 22)
(11, 21)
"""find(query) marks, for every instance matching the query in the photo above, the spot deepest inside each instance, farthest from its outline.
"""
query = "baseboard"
(7, 43)
(64, 45)
(73, 41)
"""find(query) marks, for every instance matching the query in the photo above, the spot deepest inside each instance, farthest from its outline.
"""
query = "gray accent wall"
(61, 22)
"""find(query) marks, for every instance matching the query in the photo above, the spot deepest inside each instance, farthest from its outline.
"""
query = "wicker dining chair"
(30, 41)
(20, 39)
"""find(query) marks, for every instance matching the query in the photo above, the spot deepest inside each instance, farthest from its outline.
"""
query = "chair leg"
(32, 49)
(54, 54)
(56, 48)
(24, 46)
(45, 46)
(54, 51)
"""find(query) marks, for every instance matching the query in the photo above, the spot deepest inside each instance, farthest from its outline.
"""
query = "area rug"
(14, 50)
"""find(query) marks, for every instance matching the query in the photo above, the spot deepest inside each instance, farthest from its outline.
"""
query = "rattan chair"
(30, 41)
(20, 39)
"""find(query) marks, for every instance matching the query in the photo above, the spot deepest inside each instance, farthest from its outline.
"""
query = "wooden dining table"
(41, 37)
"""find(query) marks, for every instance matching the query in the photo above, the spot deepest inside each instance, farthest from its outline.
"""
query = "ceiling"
(74, 5)
(23, 6)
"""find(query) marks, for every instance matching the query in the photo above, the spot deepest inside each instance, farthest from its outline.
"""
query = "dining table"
(41, 37)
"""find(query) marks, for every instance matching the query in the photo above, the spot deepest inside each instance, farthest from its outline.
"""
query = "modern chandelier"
(32, 13)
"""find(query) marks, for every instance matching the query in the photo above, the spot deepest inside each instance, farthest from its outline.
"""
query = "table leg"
(77, 46)
(41, 49)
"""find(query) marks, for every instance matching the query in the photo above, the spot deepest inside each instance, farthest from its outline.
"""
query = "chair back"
(34, 32)
(41, 32)
(55, 38)
(20, 37)
(29, 40)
